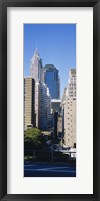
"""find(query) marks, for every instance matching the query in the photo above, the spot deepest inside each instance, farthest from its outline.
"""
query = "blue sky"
(56, 44)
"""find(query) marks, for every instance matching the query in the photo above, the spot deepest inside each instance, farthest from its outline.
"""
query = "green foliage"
(31, 134)
(33, 139)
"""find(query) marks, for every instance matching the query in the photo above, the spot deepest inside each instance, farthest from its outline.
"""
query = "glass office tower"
(51, 79)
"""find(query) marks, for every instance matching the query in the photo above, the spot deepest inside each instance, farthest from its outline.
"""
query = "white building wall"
(69, 108)
(70, 122)
(37, 103)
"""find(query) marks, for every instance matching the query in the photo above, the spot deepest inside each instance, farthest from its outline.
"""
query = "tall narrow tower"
(69, 110)
(29, 103)
(36, 67)
(42, 98)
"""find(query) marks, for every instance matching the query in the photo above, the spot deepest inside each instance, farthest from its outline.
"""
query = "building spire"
(36, 44)
(36, 53)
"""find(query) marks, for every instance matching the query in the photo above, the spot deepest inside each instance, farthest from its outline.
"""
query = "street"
(49, 170)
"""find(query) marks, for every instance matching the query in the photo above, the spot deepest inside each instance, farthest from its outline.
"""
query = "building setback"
(69, 110)
(29, 103)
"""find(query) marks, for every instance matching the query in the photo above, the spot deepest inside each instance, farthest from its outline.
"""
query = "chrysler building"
(36, 67)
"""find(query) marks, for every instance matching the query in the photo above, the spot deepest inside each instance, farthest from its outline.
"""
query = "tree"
(33, 139)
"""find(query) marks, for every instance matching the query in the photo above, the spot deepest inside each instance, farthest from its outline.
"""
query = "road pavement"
(49, 170)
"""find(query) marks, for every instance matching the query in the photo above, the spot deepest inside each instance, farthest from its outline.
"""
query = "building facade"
(29, 103)
(56, 105)
(36, 67)
(45, 106)
(69, 110)
(51, 79)
(42, 96)
(37, 103)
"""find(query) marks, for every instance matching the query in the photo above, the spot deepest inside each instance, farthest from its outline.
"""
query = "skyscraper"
(29, 102)
(37, 103)
(69, 110)
(36, 67)
(42, 96)
(51, 78)
(45, 106)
